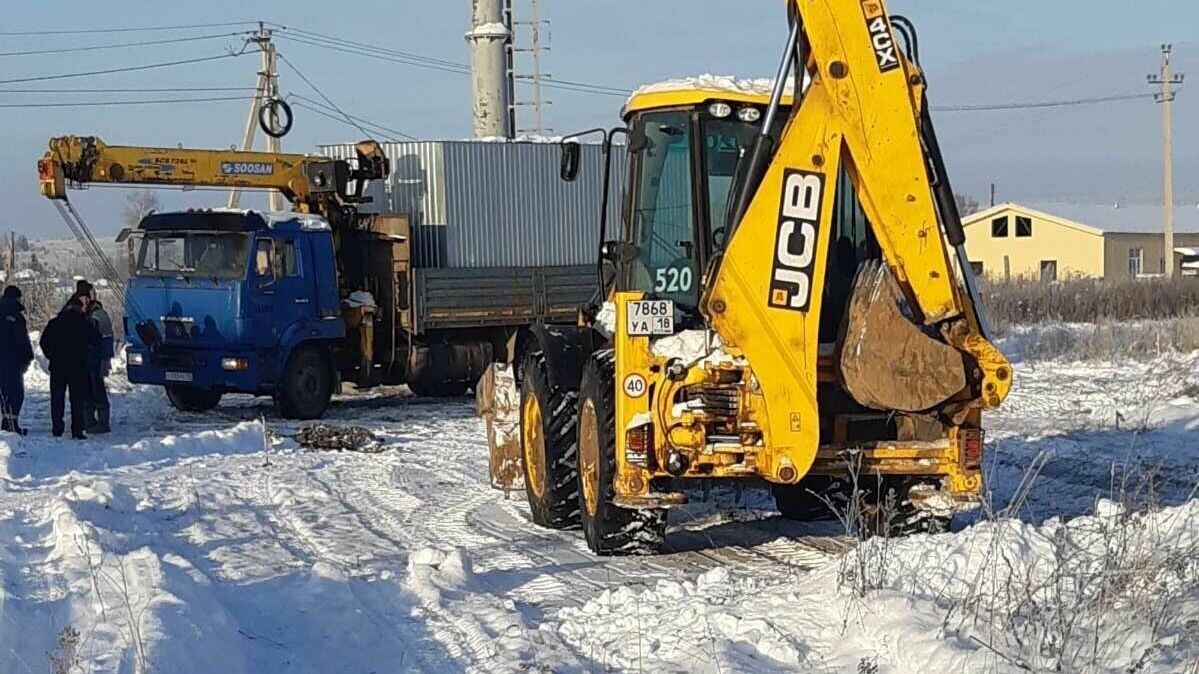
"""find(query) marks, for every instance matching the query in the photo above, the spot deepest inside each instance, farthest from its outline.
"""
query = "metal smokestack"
(488, 38)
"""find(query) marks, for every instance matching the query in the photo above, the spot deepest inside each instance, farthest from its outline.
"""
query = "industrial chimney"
(488, 38)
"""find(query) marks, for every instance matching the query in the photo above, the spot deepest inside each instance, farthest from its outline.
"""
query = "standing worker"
(99, 363)
(16, 353)
(66, 342)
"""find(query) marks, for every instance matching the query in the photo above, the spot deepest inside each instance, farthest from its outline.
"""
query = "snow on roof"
(1126, 218)
(1104, 218)
(308, 221)
(751, 87)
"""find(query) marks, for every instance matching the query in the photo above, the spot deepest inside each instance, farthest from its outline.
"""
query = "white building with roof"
(1061, 240)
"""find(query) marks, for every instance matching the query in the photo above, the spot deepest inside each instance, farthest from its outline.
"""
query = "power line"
(321, 93)
(1040, 104)
(384, 50)
(407, 58)
(308, 103)
(83, 31)
(123, 45)
(156, 101)
(131, 90)
(126, 69)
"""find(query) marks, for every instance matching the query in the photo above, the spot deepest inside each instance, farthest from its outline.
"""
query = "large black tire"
(609, 529)
(887, 512)
(304, 390)
(188, 399)
(548, 451)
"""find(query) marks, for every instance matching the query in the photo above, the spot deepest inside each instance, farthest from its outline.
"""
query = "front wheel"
(306, 386)
(609, 529)
(547, 442)
(188, 399)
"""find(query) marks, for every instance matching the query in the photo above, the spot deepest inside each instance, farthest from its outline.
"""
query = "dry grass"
(1023, 302)
(1090, 319)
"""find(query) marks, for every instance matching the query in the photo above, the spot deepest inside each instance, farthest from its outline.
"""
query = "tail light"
(638, 443)
(970, 443)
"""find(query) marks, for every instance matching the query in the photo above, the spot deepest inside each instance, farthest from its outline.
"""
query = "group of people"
(78, 343)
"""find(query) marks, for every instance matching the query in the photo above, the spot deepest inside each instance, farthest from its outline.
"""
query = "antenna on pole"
(537, 46)
(1168, 82)
(266, 89)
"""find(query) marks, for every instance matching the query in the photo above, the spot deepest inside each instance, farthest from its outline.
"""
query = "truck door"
(283, 287)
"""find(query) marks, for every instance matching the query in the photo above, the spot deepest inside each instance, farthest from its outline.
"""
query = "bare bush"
(1028, 302)
(42, 302)
(1107, 340)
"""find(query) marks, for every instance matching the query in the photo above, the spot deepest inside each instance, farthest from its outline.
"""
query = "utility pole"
(1165, 98)
(537, 77)
(992, 195)
(266, 89)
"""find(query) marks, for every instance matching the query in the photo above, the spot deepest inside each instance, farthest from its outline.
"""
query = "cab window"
(263, 257)
(663, 214)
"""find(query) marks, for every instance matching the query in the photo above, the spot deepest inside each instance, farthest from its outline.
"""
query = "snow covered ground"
(191, 543)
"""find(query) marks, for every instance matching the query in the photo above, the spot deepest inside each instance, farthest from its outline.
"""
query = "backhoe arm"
(862, 112)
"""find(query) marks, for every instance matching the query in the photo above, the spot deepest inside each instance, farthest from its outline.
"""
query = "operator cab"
(686, 148)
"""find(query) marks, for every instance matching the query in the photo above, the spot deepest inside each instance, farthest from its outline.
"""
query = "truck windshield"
(205, 254)
(664, 213)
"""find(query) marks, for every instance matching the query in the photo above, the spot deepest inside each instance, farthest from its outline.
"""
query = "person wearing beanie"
(16, 353)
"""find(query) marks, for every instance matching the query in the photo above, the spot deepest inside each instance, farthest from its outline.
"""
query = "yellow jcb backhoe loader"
(787, 300)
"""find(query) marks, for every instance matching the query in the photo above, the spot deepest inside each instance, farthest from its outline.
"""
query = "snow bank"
(1115, 589)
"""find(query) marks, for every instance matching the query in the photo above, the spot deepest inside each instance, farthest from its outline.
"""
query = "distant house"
(1055, 241)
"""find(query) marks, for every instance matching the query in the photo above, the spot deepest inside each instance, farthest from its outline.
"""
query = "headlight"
(720, 110)
(749, 115)
(235, 364)
(134, 358)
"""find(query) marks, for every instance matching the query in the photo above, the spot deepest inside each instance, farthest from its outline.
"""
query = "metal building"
(478, 204)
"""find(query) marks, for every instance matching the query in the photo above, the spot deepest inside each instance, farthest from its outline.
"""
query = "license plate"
(650, 317)
(179, 376)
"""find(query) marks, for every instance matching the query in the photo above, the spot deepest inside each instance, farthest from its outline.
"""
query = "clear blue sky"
(974, 52)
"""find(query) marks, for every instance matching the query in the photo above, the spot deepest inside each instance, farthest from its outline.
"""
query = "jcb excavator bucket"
(887, 361)
(497, 400)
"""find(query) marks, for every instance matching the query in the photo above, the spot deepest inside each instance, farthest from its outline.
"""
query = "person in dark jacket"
(96, 410)
(66, 342)
(16, 353)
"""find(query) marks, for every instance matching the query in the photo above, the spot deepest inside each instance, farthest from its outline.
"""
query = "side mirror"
(637, 139)
(618, 252)
(569, 170)
(124, 234)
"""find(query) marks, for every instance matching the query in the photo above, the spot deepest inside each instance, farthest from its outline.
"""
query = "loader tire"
(548, 450)
(187, 399)
(609, 529)
(306, 387)
(888, 513)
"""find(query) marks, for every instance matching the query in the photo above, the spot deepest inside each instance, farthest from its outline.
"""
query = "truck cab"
(234, 301)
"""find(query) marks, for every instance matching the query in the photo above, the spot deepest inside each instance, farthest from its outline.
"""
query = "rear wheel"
(306, 386)
(889, 512)
(548, 450)
(187, 399)
(609, 529)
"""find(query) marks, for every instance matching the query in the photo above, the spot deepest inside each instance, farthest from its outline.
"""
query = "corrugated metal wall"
(478, 204)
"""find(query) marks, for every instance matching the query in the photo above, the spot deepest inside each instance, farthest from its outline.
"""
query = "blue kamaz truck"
(410, 263)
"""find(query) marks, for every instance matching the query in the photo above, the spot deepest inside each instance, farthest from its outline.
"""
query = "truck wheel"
(548, 451)
(306, 386)
(187, 399)
(610, 529)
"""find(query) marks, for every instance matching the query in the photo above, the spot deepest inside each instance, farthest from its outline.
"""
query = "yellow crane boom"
(313, 184)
